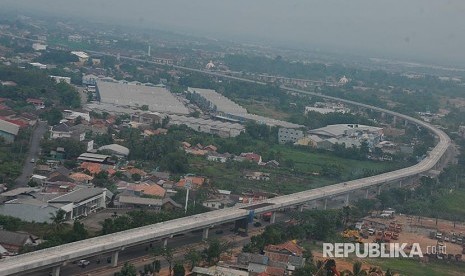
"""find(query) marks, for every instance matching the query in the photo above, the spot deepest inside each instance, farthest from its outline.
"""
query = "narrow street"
(33, 152)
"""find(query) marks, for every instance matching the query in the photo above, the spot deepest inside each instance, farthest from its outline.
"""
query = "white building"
(288, 135)
(38, 65)
(39, 47)
(83, 57)
(71, 115)
(59, 79)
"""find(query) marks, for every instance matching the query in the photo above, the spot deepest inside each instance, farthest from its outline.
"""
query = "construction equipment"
(353, 235)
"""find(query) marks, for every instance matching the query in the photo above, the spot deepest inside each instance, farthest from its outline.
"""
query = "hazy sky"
(429, 30)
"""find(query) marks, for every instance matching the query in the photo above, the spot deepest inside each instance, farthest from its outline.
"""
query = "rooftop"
(78, 195)
(157, 98)
(8, 127)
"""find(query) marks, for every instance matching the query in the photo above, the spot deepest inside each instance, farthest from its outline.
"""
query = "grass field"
(409, 267)
(452, 202)
(285, 180)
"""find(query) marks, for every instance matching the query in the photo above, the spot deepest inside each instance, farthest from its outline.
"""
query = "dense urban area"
(105, 129)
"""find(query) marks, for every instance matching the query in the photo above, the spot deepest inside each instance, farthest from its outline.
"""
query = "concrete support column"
(379, 189)
(400, 183)
(56, 271)
(301, 208)
(165, 242)
(406, 123)
(346, 201)
(114, 259)
(367, 192)
(394, 120)
(205, 233)
(273, 217)
(326, 203)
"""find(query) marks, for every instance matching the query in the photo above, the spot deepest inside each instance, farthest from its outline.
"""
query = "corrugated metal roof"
(78, 195)
(8, 127)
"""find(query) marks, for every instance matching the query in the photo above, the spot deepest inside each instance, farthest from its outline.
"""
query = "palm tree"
(58, 219)
(357, 269)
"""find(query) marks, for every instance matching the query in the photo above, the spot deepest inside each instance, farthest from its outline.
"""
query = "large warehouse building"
(214, 102)
(156, 98)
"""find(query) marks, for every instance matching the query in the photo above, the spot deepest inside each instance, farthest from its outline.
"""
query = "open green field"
(452, 202)
(304, 175)
(409, 267)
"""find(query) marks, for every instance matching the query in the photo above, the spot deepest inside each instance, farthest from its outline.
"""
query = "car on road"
(83, 263)
(33, 160)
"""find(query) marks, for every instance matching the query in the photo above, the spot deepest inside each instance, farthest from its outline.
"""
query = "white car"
(33, 160)
(83, 263)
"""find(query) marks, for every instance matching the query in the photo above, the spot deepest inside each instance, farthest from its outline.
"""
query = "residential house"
(96, 168)
(288, 253)
(12, 242)
(60, 131)
(149, 118)
(81, 177)
(272, 163)
(218, 157)
(194, 181)
(145, 189)
(256, 158)
(8, 131)
(38, 104)
(73, 115)
(123, 201)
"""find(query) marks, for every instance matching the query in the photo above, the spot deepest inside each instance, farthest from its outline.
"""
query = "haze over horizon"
(429, 31)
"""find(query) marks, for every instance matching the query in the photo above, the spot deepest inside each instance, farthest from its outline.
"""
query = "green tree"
(136, 177)
(193, 257)
(178, 270)
(52, 116)
(128, 270)
(156, 266)
(78, 232)
(168, 254)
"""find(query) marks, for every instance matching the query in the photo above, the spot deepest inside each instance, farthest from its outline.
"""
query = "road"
(33, 152)
(141, 252)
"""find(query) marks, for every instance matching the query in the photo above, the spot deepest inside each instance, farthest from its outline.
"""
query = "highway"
(57, 256)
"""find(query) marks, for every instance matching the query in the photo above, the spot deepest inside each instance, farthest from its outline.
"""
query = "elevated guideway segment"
(60, 255)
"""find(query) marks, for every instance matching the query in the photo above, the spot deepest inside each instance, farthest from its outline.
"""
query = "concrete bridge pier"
(205, 233)
(273, 217)
(301, 208)
(165, 242)
(379, 190)
(346, 200)
(400, 183)
(56, 270)
(114, 259)
(326, 203)
(367, 193)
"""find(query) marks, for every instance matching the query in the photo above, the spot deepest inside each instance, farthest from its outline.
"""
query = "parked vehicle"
(83, 263)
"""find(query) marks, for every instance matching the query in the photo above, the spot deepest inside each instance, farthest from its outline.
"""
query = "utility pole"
(188, 186)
